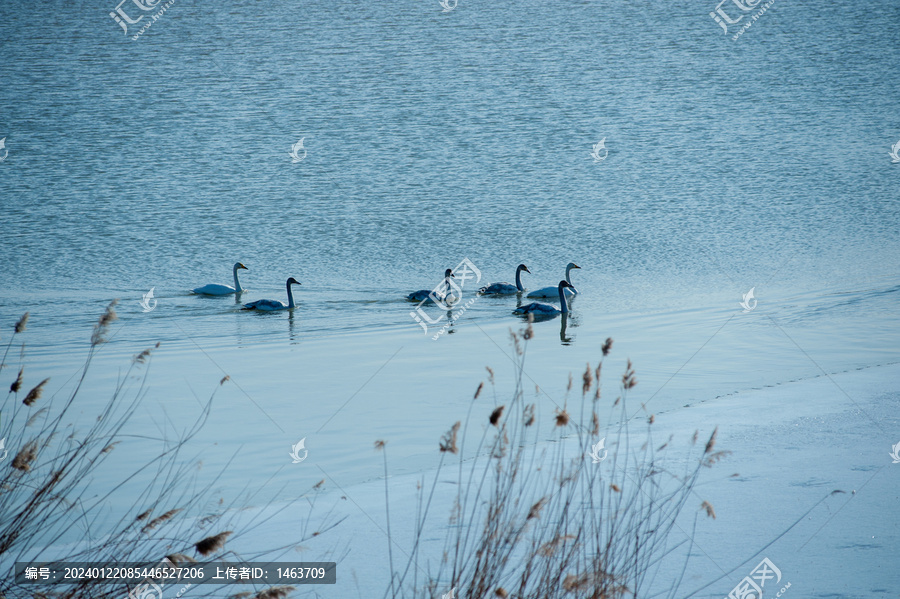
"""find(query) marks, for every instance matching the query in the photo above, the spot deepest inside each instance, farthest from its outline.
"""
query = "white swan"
(551, 291)
(539, 309)
(267, 305)
(425, 294)
(506, 288)
(214, 289)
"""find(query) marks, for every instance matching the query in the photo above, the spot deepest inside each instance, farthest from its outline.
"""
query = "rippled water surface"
(432, 137)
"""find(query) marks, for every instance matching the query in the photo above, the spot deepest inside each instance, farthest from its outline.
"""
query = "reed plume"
(496, 415)
(35, 394)
(26, 456)
(562, 417)
(22, 323)
(213, 543)
(157, 521)
(628, 380)
(101, 329)
(712, 441)
(448, 441)
(17, 384)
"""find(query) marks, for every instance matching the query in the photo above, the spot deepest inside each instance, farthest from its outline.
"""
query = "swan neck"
(237, 283)
(519, 280)
(290, 296)
(562, 300)
(568, 270)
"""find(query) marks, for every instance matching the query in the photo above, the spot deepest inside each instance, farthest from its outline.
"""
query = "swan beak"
(526, 270)
(576, 266)
(241, 266)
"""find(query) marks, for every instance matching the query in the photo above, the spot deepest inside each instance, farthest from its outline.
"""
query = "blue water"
(432, 137)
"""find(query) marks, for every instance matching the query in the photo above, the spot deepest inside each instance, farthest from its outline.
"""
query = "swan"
(506, 288)
(268, 305)
(551, 291)
(214, 289)
(539, 309)
(425, 294)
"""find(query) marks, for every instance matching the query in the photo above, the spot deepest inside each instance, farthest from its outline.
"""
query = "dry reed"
(213, 543)
(17, 384)
(49, 496)
(35, 394)
(545, 524)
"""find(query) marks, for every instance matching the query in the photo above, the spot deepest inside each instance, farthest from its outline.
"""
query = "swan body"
(506, 288)
(214, 289)
(267, 305)
(539, 309)
(425, 294)
(551, 292)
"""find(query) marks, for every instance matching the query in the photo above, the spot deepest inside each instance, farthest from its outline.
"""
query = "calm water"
(433, 137)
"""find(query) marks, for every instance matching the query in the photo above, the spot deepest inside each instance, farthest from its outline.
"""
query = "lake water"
(431, 137)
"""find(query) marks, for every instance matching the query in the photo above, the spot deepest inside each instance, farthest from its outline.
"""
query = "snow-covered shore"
(792, 445)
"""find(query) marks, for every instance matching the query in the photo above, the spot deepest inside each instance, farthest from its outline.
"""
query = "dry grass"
(538, 521)
(48, 496)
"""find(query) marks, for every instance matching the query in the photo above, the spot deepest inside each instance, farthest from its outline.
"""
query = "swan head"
(523, 267)
(448, 274)
(563, 284)
(293, 281)
(240, 266)
(572, 265)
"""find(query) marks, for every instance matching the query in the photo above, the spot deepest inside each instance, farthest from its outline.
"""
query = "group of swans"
(565, 289)
(266, 305)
